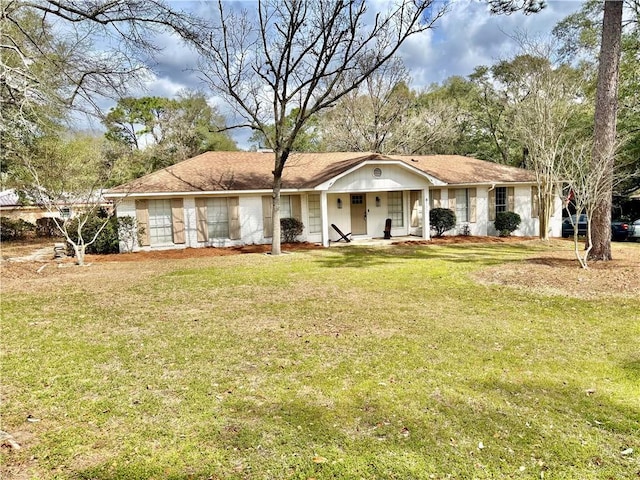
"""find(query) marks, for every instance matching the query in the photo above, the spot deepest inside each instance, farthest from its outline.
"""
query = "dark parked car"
(619, 229)
(634, 231)
(568, 226)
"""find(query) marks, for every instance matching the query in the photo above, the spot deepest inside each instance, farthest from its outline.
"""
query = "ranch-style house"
(224, 199)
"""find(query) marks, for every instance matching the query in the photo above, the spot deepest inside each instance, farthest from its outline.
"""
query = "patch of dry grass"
(556, 271)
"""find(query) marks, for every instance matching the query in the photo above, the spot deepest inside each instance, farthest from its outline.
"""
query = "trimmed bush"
(18, 229)
(290, 228)
(46, 227)
(108, 240)
(441, 220)
(507, 222)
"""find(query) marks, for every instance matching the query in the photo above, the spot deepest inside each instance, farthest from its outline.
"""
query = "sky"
(465, 37)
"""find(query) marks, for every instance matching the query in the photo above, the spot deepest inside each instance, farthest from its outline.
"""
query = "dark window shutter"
(142, 216)
(267, 221)
(201, 220)
(234, 218)
(177, 220)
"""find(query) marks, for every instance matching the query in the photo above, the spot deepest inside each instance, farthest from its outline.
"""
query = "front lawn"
(339, 363)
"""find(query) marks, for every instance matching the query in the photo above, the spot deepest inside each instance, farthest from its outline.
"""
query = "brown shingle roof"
(458, 169)
(219, 171)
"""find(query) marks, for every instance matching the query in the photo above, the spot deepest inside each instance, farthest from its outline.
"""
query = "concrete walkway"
(44, 254)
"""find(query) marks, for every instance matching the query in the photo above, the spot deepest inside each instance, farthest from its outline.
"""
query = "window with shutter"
(461, 205)
(217, 217)
(160, 224)
(501, 199)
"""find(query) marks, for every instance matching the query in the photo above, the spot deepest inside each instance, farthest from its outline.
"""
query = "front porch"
(364, 215)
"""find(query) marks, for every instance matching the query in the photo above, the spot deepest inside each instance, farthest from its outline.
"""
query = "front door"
(358, 214)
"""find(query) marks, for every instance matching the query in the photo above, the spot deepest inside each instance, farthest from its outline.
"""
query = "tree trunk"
(80, 252)
(605, 126)
(544, 213)
(280, 160)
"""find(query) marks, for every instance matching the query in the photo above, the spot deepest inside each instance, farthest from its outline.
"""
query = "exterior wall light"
(377, 201)
(339, 203)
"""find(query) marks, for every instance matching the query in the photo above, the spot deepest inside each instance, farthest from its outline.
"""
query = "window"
(462, 205)
(290, 207)
(217, 218)
(396, 213)
(501, 199)
(160, 227)
(315, 220)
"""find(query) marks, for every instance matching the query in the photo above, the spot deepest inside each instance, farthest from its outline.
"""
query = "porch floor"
(375, 241)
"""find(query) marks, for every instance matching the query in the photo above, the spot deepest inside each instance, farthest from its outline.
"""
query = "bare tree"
(589, 187)
(303, 55)
(542, 123)
(606, 105)
(59, 55)
(367, 119)
(385, 116)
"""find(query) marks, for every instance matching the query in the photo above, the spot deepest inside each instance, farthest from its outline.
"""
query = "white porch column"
(426, 226)
(324, 216)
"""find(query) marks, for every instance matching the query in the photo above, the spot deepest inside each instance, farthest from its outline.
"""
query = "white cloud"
(466, 37)
(469, 36)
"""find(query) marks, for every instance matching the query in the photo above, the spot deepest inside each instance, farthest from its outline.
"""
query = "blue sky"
(467, 36)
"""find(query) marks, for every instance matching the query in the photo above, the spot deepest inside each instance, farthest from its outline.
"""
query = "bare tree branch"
(302, 56)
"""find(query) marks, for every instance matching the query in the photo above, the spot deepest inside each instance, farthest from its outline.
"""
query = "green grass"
(341, 363)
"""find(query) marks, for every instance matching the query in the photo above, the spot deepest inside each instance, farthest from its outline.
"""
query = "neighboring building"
(12, 207)
(224, 198)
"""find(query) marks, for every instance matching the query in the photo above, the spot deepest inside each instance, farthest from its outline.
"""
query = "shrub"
(107, 241)
(441, 220)
(507, 222)
(46, 227)
(17, 229)
(290, 228)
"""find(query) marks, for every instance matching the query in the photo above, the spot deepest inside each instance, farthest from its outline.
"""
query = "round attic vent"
(377, 172)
